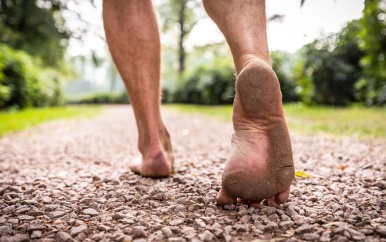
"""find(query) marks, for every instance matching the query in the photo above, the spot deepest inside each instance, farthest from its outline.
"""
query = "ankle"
(155, 141)
(247, 58)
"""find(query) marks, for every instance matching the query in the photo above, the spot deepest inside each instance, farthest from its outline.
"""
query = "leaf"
(342, 168)
(302, 174)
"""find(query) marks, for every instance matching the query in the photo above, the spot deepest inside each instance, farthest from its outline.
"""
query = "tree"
(280, 61)
(182, 15)
(373, 35)
(36, 27)
(331, 68)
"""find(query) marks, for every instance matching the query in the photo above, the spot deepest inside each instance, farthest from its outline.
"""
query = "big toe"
(279, 199)
(223, 198)
(135, 166)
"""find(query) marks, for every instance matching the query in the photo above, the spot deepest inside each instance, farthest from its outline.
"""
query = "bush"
(208, 84)
(102, 98)
(287, 84)
(24, 83)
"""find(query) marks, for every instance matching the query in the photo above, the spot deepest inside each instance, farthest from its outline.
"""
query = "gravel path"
(68, 180)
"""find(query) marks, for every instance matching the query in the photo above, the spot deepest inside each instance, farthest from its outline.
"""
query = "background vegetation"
(339, 69)
(312, 120)
(12, 121)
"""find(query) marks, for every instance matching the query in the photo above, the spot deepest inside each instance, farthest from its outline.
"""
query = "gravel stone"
(46, 200)
(206, 236)
(305, 228)
(36, 226)
(5, 230)
(381, 231)
(26, 217)
(311, 236)
(90, 211)
(268, 210)
(270, 226)
(36, 213)
(229, 207)
(15, 238)
(209, 211)
(241, 227)
(180, 208)
(56, 214)
(177, 239)
(200, 223)
(286, 225)
(176, 222)
(166, 231)
(77, 230)
(63, 237)
(139, 232)
(102, 227)
(246, 219)
(37, 234)
(51, 174)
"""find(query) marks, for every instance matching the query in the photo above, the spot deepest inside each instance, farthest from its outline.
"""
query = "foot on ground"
(260, 164)
(157, 160)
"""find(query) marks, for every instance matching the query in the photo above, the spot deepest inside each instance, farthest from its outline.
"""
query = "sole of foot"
(260, 164)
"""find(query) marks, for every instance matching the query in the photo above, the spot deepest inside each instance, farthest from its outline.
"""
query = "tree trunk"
(181, 49)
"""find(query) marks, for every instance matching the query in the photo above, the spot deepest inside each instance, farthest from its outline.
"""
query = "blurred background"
(329, 56)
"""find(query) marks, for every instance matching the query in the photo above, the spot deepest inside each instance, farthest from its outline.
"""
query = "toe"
(136, 169)
(280, 198)
(135, 165)
(223, 198)
(283, 196)
(273, 202)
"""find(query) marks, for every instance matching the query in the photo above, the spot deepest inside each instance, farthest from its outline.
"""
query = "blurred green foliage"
(373, 35)
(24, 83)
(347, 67)
(101, 98)
(35, 26)
(12, 121)
(281, 62)
(353, 121)
(181, 16)
(329, 68)
(33, 43)
(336, 69)
(207, 84)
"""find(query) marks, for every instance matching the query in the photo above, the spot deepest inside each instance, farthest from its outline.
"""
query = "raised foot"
(260, 164)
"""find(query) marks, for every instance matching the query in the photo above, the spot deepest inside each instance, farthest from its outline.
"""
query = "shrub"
(101, 98)
(208, 84)
(25, 83)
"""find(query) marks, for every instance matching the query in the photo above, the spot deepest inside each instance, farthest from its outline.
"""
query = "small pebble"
(37, 234)
(77, 230)
(167, 232)
(176, 222)
(63, 237)
(207, 236)
(90, 211)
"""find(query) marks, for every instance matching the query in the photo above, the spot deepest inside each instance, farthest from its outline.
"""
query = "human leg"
(133, 38)
(260, 164)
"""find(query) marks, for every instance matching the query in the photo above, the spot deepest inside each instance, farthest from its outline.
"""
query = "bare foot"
(157, 159)
(260, 164)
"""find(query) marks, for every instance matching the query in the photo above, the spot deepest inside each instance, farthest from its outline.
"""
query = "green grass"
(359, 122)
(11, 121)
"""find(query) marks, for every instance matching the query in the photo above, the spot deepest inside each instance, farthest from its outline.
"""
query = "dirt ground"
(68, 180)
